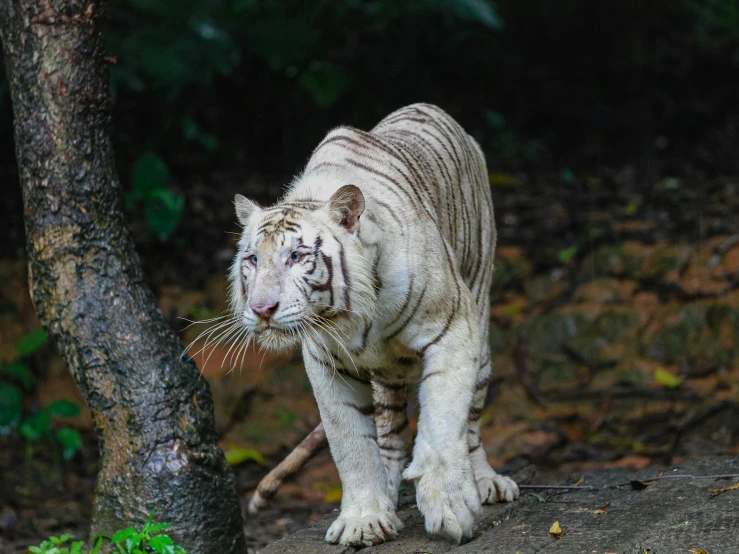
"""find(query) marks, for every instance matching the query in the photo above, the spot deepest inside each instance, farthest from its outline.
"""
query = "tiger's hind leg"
(393, 434)
(491, 486)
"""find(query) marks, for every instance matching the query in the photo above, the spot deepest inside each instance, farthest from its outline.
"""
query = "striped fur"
(380, 261)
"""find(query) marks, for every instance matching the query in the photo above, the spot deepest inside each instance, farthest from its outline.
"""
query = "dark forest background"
(564, 88)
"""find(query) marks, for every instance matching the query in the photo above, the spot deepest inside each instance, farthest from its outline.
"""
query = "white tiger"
(379, 262)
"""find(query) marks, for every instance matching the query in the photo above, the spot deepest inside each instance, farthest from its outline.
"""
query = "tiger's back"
(441, 171)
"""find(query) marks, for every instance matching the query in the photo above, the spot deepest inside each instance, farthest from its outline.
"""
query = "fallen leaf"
(682, 524)
(333, 495)
(236, 456)
(733, 487)
(667, 379)
(505, 180)
(555, 530)
(701, 551)
(580, 481)
(603, 508)
(661, 473)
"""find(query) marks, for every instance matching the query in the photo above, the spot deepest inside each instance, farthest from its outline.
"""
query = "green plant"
(150, 185)
(126, 541)
(15, 378)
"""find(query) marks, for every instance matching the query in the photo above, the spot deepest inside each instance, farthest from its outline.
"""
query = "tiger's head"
(300, 268)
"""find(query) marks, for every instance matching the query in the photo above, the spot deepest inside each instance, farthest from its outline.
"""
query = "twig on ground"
(629, 483)
(568, 487)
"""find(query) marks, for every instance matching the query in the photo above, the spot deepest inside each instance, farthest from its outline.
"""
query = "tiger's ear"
(245, 208)
(345, 207)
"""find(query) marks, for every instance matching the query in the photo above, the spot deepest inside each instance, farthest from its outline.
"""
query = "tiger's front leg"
(367, 512)
(446, 491)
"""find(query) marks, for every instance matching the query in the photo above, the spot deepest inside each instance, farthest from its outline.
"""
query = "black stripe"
(345, 275)
(391, 407)
(475, 415)
(432, 374)
(390, 386)
(397, 429)
(410, 316)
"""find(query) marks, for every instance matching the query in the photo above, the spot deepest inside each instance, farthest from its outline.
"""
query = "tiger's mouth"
(276, 337)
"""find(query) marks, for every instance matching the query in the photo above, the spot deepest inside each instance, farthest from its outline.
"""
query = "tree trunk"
(153, 413)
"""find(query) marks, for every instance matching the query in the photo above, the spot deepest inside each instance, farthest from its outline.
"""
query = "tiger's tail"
(301, 454)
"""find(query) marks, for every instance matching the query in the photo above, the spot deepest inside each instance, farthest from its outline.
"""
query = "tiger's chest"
(371, 355)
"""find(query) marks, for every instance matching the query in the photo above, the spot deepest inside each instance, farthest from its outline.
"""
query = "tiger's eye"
(295, 256)
(253, 259)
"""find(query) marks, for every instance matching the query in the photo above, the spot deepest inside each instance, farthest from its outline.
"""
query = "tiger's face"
(293, 270)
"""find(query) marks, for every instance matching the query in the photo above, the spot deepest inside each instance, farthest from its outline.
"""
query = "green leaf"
(71, 441)
(148, 173)
(568, 253)
(163, 212)
(236, 456)
(35, 550)
(98, 545)
(36, 426)
(567, 175)
(209, 142)
(63, 408)
(123, 535)
(156, 527)
(150, 518)
(66, 537)
(324, 84)
(162, 544)
(31, 342)
(667, 379)
(11, 406)
(18, 371)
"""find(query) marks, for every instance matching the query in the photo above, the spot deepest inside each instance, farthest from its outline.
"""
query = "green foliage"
(150, 185)
(61, 545)
(126, 541)
(11, 407)
(567, 254)
(15, 377)
(31, 342)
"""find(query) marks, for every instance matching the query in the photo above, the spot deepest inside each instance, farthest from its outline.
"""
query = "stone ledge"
(670, 516)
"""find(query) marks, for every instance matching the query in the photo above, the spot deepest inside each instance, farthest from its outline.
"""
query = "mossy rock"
(614, 324)
(698, 332)
(558, 375)
(615, 260)
(665, 259)
(546, 333)
(543, 288)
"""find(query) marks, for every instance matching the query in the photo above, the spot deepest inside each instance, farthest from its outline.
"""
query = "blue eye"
(295, 256)
(253, 259)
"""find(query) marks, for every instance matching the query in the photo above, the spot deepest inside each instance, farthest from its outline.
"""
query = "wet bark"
(153, 414)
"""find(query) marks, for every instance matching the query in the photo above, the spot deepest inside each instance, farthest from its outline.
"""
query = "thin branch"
(568, 487)
(628, 483)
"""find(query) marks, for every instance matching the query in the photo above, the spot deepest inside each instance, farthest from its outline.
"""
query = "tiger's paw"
(446, 495)
(497, 488)
(364, 530)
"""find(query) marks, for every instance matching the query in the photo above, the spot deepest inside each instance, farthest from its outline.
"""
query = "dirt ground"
(616, 325)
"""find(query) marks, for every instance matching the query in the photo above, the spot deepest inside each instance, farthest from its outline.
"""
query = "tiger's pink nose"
(264, 310)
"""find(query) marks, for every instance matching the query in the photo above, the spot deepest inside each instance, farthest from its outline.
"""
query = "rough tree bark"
(153, 414)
